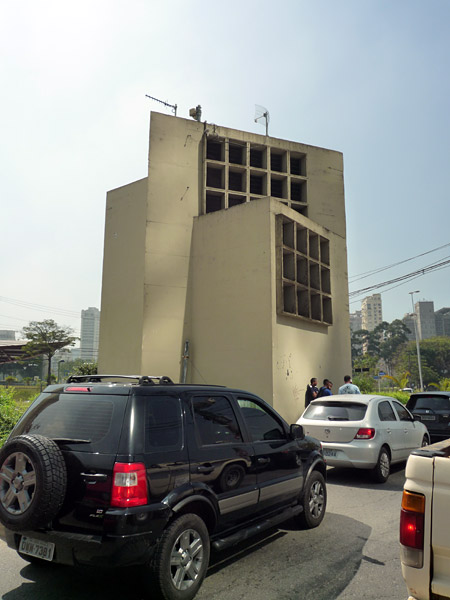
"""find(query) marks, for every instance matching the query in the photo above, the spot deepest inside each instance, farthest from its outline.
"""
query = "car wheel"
(382, 469)
(33, 481)
(425, 441)
(314, 501)
(181, 560)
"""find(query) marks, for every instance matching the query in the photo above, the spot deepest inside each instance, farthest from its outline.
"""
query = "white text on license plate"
(33, 547)
(328, 452)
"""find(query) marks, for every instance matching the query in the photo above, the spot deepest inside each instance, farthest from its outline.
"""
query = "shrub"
(10, 412)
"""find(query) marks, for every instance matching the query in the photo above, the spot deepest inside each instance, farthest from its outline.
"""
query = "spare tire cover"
(33, 481)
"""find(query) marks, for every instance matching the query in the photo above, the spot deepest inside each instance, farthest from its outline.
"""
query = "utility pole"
(416, 331)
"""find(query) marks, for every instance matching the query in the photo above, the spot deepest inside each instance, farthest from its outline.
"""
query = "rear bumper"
(128, 538)
(76, 549)
(353, 454)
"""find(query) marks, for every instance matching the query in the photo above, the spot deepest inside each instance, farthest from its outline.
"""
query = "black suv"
(116, 471)
(433, 409)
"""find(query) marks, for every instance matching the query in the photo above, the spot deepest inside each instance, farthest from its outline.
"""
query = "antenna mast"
(262, 113)
(172, 106)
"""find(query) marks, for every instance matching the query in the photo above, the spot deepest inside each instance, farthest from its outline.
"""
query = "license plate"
(428, 418)
(33, 547)
(327, 452)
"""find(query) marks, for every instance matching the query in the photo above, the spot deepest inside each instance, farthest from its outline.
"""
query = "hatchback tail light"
(129, 486)
(412, 518)
(365, 433)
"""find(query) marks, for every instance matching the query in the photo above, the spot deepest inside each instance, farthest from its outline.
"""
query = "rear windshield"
(430, 402)
(336, 411)
(87, 420)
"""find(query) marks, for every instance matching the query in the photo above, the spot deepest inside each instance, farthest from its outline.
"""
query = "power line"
(408, 277)
(380, 269)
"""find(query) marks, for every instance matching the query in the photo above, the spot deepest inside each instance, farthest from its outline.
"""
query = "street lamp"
(417, 338)
(59, 367)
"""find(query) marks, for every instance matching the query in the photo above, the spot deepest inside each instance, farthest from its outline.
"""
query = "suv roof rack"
(142, 379)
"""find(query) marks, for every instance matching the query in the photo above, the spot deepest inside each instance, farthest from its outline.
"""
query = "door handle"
(205, 469)
(263, 460)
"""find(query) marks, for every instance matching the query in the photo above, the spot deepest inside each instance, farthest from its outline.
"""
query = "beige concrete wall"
(229, 321)
(304, 349)
(122, 301)
(172, 202)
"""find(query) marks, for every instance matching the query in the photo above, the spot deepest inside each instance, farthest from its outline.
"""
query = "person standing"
(349, 387)
(325, 390)
(311, 391)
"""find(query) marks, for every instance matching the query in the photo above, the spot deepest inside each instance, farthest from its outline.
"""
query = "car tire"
(180, 561)
(425, 441)
(382, 469)
(33, 482)
(314, 501)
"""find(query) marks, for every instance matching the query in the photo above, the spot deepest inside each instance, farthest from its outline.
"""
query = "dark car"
(141, 471)
(433, 409)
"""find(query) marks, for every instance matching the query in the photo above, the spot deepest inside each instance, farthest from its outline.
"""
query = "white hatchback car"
(364, 431)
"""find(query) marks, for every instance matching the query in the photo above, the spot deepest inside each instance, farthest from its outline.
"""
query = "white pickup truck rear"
(425, 523)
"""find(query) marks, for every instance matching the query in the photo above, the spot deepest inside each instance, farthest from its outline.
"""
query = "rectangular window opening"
(214, 150)
(214, 177)
(236, 181)
(236, 154)
(257, 156)
(214, 202)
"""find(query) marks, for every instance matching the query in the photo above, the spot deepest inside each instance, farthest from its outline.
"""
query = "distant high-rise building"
(426, 322)
(442, 320)
(90, 326)
(7, 334)
(408, 320)
(355, 321)
(371, 312)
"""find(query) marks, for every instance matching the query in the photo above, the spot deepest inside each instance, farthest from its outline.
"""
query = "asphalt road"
(353, 554)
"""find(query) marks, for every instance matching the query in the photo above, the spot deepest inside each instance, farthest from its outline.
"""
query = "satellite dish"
(261, 112)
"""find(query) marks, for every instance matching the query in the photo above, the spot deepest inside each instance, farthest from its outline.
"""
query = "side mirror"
(296, 432)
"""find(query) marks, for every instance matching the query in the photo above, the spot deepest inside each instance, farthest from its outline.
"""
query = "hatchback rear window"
(336, 411)
(86, 419)
(430, 402)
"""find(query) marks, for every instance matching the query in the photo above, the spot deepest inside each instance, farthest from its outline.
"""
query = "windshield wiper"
(71, 441)
(338, 418)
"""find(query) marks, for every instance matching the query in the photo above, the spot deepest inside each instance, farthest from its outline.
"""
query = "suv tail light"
(365, 433)
(129, 486)
(411, 529)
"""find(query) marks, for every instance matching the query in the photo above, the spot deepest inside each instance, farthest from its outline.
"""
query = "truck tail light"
(129, 486)
(365, 433)
(412, 519)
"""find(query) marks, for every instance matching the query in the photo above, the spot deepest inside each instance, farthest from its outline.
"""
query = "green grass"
(13, 403)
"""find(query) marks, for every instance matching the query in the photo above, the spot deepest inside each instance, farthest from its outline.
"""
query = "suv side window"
(215, 421)
(403, 414)
(385, 411)
(262, 425)
(163, 423)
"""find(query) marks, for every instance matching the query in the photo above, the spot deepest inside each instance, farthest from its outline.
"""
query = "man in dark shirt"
(311, 391)
(325, 390)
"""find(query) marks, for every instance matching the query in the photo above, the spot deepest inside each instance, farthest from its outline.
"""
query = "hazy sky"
(367, 77)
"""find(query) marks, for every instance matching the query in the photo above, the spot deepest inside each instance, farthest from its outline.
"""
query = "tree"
(435, 359)
(45, 338)
(392, 337)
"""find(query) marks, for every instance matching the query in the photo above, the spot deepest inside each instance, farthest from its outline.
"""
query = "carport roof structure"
(11, 351)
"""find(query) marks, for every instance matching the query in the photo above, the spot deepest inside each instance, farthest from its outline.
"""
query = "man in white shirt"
(349, 387)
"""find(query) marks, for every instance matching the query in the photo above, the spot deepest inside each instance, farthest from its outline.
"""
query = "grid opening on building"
(244, 171)
(304, 286)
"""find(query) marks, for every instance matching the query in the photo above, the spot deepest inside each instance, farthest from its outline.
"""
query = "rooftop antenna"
(172, 106)
(262, 113)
